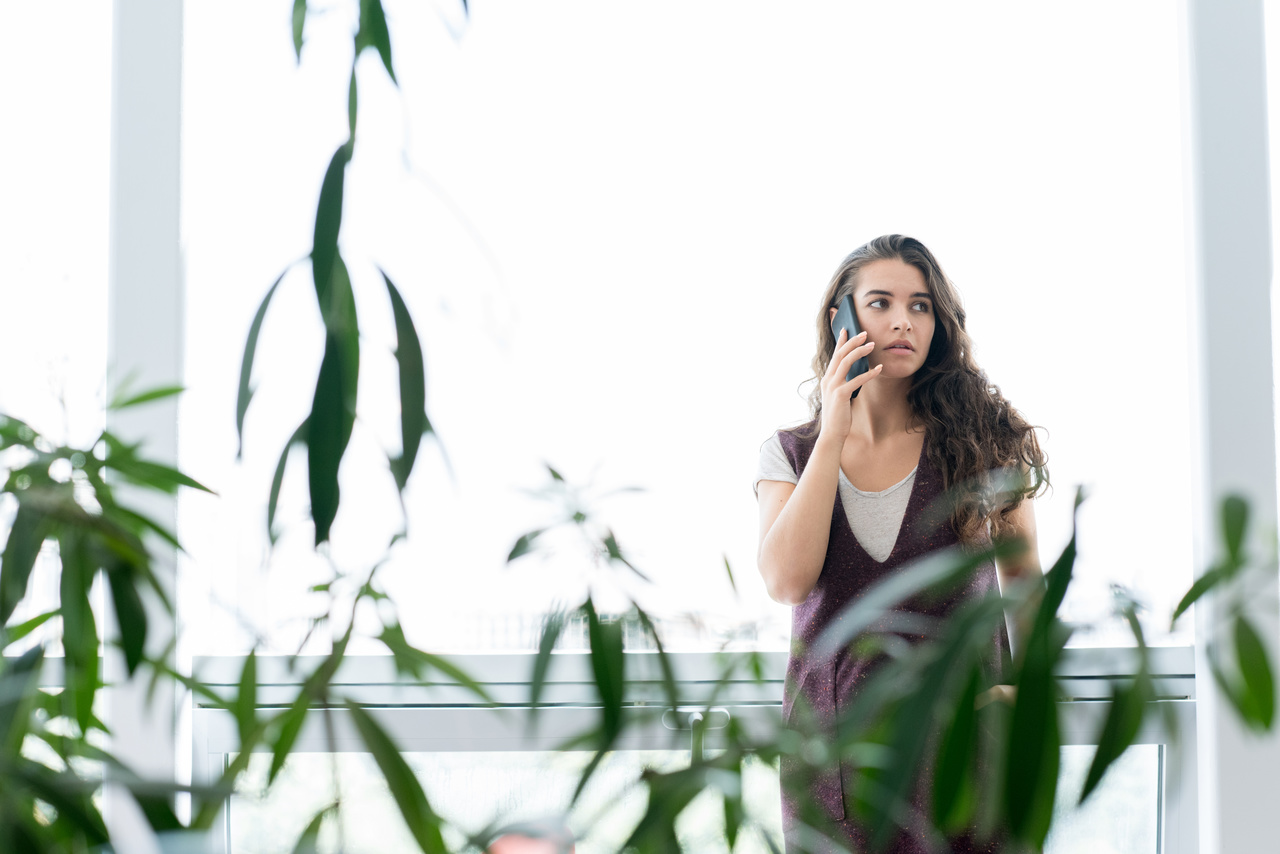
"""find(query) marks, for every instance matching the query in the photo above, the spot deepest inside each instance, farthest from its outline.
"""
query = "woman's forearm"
(794, 548)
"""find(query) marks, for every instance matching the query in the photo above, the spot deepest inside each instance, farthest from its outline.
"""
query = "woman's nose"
(901, 323)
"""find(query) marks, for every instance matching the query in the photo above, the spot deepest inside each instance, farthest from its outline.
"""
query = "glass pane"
(1122, 815)
(623, 217)
(473, 789)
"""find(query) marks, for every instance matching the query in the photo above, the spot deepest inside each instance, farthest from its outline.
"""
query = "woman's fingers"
(860, 380)
(843, 347)
(852, 356)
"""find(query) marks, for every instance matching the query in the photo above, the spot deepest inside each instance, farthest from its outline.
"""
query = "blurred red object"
(515, 843)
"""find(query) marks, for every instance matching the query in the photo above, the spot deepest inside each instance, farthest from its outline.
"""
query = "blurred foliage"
(929, 712)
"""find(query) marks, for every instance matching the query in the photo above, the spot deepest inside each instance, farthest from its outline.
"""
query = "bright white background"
(613, 226)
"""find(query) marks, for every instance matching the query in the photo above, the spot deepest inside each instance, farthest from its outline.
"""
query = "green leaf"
(245, 394)
(1118, 730)
(413, 387)
(246, 703)
(952, 773)
(728, 570)
(555, 475)
(26, 536)
(131, 615)
(20, 631)
(542, 661)
(1235, 517)
(938, 569)
(423, 823)
(311, 834)
(324, 247)
(326, 443)
(410, 659)
(608, 665)
(299, 21)
(290, 723)
(1211, 579)
(146, 397)
(524, 545)
(299, 437)
(373, 33)
(734, 817)
(124, 460)
(353, 104)
(1259, 684)
(79, 628)
(18, 684)
(138, 522)
(664, 661)
(615, 554)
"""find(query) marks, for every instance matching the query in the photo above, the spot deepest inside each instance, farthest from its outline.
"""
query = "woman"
(842, 497)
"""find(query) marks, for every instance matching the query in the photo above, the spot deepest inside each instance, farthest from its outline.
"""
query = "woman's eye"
(875, 303)
(922, 307)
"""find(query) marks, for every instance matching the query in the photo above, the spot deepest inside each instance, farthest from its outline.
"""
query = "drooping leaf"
(938, 569)
(324, 247)
(20, 552)
(138, 522)
(410, 659)
(416, 811)
(1118, 730)
(146, 397)
(245, 394)
(353, 104)
(245, 706)
(1235, 517)
(374, 33)
(542, 661)
(614, 552)
(79, 628)
(608, 666)
(17, 685)
(413, 388)
(131, 615)
(325, 441)
(664, 662)
(524, 545)
(311, 833)
(555, 475)
(123, 459)
(299, 22)
(299, 437)
(728, 570)
(952, 775)
(26, 627)
(587, 774)
(1259, 683)
(1033, 757)
(290, 724)
(1211, 578)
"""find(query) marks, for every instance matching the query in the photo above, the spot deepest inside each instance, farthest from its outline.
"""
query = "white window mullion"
(145, 341)
(1233, 402)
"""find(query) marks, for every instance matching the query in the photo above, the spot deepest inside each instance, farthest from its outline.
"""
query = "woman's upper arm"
(1024, 563)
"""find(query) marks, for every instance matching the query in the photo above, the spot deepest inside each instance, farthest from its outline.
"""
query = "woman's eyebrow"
(888, 294)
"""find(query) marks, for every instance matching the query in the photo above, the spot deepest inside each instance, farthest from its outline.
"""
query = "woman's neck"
(881, 410)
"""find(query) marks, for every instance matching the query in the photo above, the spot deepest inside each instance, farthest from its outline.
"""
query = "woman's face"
(895, 308)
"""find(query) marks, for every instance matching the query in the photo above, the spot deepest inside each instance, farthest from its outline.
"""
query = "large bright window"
(613, 225)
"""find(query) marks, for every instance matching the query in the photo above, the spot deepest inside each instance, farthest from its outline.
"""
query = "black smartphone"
(846, 318)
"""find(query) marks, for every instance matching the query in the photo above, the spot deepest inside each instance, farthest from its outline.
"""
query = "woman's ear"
(831, 315)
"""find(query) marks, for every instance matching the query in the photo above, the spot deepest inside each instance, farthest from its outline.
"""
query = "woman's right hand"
(837, 394)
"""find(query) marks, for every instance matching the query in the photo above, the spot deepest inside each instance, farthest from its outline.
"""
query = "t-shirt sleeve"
(773, 464)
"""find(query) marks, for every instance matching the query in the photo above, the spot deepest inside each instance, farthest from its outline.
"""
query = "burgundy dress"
(827, 686)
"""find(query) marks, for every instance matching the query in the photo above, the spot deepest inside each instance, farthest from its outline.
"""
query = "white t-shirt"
(874, 517)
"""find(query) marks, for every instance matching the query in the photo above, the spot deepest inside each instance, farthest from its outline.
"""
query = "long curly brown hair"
(970, 428)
